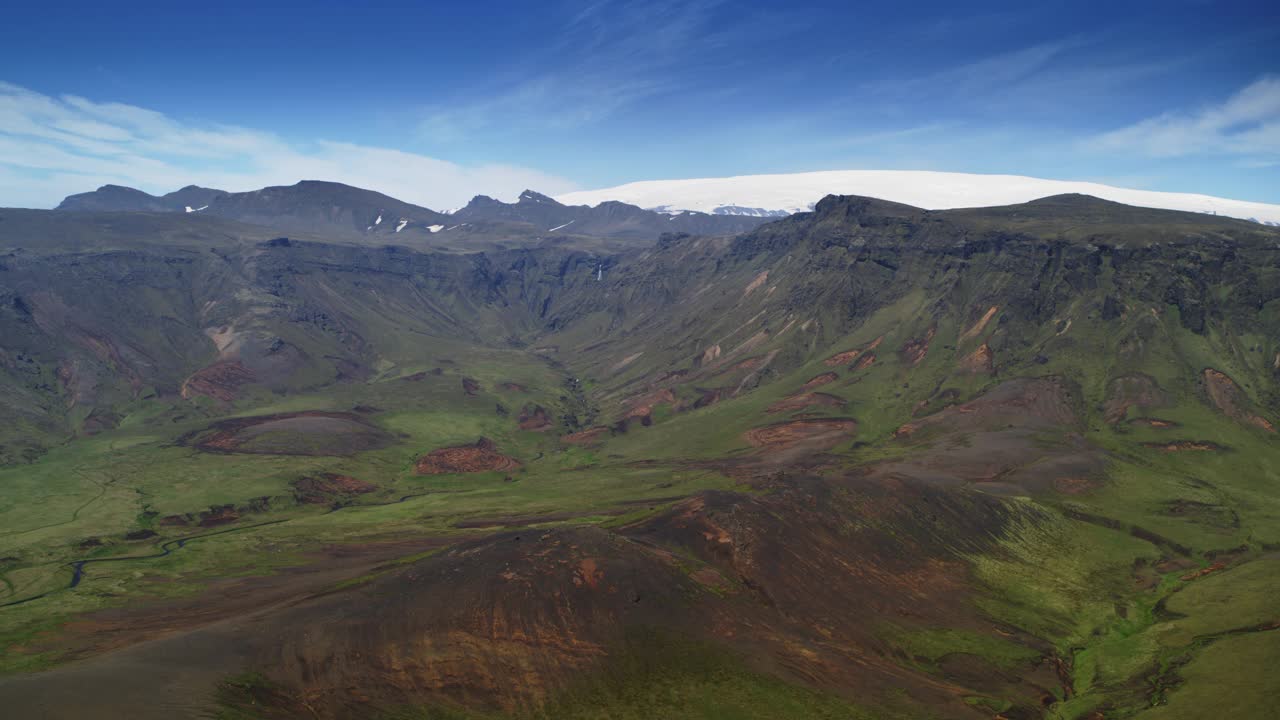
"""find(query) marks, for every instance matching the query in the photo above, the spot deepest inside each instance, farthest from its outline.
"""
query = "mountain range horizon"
(766, 196)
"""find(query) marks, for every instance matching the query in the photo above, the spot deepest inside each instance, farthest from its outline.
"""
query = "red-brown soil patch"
(979, 362)
(220, 381)
(513, 387)
(1227, 396)
(311, 432)
(643, 405)
(750, 363)
(590, 436)
(470, 386)
(1185, 446)
(804, 400)
(841, 358)
(848, 356)
(981, 324)
(1203, 571)
(533, 417)
(759, 280)
(1126, 391)
(863, 363)
(816, 432)
(708, 356)
(914, 350)
(820, 380)
(480, 457)
(1155, 423)
(589, 573)
(326, 487)
(219, 515)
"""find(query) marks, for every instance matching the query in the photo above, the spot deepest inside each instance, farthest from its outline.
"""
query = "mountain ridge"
(119, 198)
(325, 207)
(608, 219)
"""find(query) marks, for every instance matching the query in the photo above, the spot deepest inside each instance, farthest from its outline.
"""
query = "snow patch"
(378, 221)
(435, 228)
(771, 195)
(401, 224)
(190, 209)
(561, 226)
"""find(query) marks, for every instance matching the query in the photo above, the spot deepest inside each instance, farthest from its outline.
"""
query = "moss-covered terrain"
(869, 461)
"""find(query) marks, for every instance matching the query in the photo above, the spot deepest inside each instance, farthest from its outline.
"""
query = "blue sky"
(434, 102)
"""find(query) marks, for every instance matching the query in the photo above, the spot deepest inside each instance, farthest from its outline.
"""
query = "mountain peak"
(113, 198)
(862, 206)
(529, 196)
(1078, 199)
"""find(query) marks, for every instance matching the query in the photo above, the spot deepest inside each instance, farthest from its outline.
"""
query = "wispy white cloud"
(1246, 125)
(608, 57)
(54, 146)
(998, 71)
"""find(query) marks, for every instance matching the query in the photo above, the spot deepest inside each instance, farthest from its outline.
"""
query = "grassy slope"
(1070, 582)
(105, 486)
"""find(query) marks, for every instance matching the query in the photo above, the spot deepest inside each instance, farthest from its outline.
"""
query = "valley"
(867, 461)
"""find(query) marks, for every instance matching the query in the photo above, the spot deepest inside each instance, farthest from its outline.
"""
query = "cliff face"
(143, 310)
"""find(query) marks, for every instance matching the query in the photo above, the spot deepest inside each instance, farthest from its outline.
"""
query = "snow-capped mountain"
(772, 195)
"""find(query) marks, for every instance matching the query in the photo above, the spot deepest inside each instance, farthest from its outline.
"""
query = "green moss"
(1233, 678)
(935, 644)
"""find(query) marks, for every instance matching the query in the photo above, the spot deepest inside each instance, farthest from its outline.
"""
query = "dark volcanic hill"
(608, 219)
(326, 207)
(115, 198)
(310, 206)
